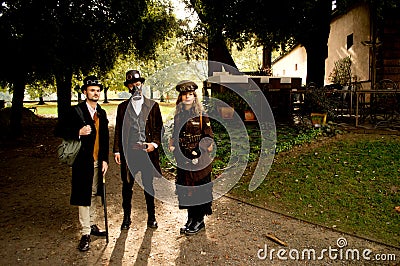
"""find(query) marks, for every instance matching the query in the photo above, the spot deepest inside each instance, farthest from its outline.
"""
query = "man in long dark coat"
(136, 142)
(91, 162)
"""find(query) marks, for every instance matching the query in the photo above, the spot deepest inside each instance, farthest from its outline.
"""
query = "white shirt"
(137, 105)
(91, 110)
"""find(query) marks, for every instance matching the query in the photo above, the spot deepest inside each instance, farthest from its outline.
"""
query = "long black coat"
(154, 125)
(82, 169)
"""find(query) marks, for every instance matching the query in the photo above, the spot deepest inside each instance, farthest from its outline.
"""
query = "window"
(349, 41)
(295, 67)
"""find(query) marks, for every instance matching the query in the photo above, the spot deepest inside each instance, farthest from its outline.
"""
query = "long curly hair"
(196, 108)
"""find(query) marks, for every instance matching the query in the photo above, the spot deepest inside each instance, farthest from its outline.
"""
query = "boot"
(151, 221)
(127, 221)
(186, 226)
(84, 243)
(196, 226)
(151, 211)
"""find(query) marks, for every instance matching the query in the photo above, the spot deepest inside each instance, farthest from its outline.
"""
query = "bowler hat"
(186, 85)
(133, 76)
(91, 81)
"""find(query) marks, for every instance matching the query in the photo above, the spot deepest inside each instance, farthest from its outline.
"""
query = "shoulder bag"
(68, 149)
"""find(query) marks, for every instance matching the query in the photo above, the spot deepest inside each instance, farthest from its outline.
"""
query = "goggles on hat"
(187, 87)
(130, 76)
(93, 82)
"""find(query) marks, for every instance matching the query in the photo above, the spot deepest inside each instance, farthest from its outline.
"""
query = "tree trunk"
(64, 86)
(17, 106)
(218, 52)
(41, 100)
(267, 60)
(316, 54)
(315, 41)
(105, 94)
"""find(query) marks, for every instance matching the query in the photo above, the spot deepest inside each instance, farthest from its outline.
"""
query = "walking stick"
(105, 207)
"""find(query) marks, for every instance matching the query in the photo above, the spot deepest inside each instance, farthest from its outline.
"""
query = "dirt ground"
(39, 227)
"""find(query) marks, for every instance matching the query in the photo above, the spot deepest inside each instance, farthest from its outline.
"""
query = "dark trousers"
(196, 213)
(139, 161)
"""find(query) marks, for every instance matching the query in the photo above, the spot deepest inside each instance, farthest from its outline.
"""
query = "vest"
(137, 126)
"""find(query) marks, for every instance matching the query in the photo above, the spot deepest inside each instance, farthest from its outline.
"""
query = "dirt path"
(39, 227)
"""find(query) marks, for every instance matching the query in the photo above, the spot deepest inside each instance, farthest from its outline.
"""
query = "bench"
(33, 108)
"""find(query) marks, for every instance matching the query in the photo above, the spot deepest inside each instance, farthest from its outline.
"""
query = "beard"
(93, 99)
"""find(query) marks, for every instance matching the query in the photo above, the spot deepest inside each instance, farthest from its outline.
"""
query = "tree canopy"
(62, 38)
(270, 23)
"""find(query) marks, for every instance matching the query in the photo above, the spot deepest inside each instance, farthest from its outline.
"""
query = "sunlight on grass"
(352, 185)
(50, 108)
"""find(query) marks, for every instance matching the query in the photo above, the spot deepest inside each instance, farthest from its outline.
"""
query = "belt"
(139, 146)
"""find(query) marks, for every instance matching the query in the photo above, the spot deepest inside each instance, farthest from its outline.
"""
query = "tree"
(40, 87)
(213, 17)
(63, 38)
(272, 24)
(311, 21)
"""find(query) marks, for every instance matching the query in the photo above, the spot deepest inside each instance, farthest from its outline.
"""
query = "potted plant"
(318, 104)
(341, 73)
(227, 110)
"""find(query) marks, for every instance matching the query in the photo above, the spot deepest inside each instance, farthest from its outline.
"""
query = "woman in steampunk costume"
(191, 143)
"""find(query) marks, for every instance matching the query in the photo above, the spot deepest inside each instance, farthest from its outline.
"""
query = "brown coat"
(154, 125)
(188, 173)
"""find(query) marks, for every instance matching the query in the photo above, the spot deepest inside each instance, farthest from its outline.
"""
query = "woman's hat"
(91, 81)
(133, 76)
(186, 85)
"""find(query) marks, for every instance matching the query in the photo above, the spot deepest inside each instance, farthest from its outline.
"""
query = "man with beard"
(87, 122)
(136, 141)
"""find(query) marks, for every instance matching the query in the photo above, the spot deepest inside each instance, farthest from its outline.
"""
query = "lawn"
(350, 183)
(50, 108)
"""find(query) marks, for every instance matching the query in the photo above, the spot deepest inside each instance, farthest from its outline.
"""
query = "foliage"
(320, 100)
(341, 73)
(272, 24)
(157, 72)
(60, 39)
(287, 139)
(232, 99)
(40, 88)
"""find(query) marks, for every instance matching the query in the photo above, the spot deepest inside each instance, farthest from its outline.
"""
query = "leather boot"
(186, 226)
(84, 243)
(151, 221)
(151, 211)
(94, 230)
(126, 222)
(196, 226)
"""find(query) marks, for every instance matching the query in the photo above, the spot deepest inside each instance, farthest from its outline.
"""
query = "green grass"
(352, 185)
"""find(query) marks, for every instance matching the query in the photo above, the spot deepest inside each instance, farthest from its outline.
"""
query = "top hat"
(133, 76)
(91, 81)
(186, 85)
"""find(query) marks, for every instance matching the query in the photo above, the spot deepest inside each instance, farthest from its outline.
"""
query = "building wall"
(294, 64)
(356, 22)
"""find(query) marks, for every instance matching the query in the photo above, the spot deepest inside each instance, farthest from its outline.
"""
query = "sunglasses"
(93, 82)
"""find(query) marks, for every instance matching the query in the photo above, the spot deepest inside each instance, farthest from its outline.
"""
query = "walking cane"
(105, 207)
